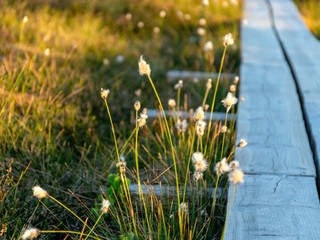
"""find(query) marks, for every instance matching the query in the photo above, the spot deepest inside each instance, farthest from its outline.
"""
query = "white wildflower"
(137, 106)
(229, 101)
(201, 31)
(234, 164)
(104, 93)
(179, 84)
(242, 143)
(222, 167)
(182, 125)
(197, 176)
(162, 14)
(228, 40)
(39, 192)
(202, 22)
(30, 233)
(199, 114)
(105, 206)
(236, 176)
(172, 103)
(144, 68)
(208, 46)
(200, 164)
(201, 125)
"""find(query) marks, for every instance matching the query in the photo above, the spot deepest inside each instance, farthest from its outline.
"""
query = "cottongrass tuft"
(143, 117)
(200, 164)
(39, 192)
(104, 93)
(184, 207)
(228, 40)
(233, 165)
(201, 31)
(47, 52)
(197, 176)
(25, 19)
(201, 125)
(182, 125)
(232, 88)
(236, 176)
(202, 22)
(122, 164)
(128, 16)
(162, 14)
(224, 129)
(156, 30)
(209, 84)
(236, 80)
(199, 114)
(140, 24)
(208, 46)
(206, 107)
(144, 68)
(179, 84)
(172, 103)
(30, 233)
(229, 101)
(137, 106)
(242, 143)
(105, 206)
(222, 167)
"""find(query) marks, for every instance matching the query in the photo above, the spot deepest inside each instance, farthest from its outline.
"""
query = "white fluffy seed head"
(234, 164)
(197, 176)
(30, 233)
(236, 176)
(209, 83)
(222, 167)
(162, 14)
(224, 129)
(199, 114)
(201, 31)
(201, 126)
(39, 192)
(236, 80)
(182, 125)
(228, 40)
(104, 93)
(229, 101)
(144, 68)
(137, 106)
(184, 207)
(200, 164)
(140, 24)
(105, 206)
(208, 46)
(242, 143)
(202, 22)
(128, 16)
(172, 103)
(232, 88)
(25, 19)
(206, 107)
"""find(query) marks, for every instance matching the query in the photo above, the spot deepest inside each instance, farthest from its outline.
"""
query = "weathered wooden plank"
(153, 113)
(174, 75)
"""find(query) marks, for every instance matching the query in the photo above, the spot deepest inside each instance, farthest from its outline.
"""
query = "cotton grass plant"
(192, 158)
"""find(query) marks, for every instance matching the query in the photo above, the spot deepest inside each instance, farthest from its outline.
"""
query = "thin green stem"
(94, 225)
(72, 232)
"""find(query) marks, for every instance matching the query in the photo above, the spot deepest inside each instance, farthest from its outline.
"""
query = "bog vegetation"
(74, 118)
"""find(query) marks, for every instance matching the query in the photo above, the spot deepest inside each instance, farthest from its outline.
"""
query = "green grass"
(310, 11)
(51, 113)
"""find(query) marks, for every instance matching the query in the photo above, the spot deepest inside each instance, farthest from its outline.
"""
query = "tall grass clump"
(185, 198)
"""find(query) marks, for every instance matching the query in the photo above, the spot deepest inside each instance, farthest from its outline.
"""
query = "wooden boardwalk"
(280, 78)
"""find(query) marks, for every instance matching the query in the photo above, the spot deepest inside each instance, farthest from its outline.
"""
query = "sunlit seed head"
(242, 143)
(162, 14)
(234, 164)
(172, 103)
(30, 233)
(209, 84)
(144, 68)
(128, 16)
(234, 2)
(47, 52)
(137, 92)
(156, 30)
(140, 24)
(106, 61)
(232, 88)
(200, 164)
(137, 106)
(182, 125)
(229, 101)
(201, 31)
(25, 19)
(236, 80)
(184, 207)
(104, 93)
(225, 4)
(228, 40)
(201, 125)
(224, 129)
(242, 98)
(236, 176)
(206, 107)
(202, 22)
(199, 114)
(180, 14)
(245, 22)
(205, 3)
(39, 192)
(187, 17)
(197, 176)
(144, 111)
(122, 164)
(179, 84)
(141, 122)
(105, 206)
(222, 167)
(208, 46)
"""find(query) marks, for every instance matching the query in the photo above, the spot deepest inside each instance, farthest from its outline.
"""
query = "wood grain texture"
(279, 198)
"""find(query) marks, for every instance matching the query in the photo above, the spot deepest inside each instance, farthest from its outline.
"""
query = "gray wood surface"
(175, 75)
(279, 198)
